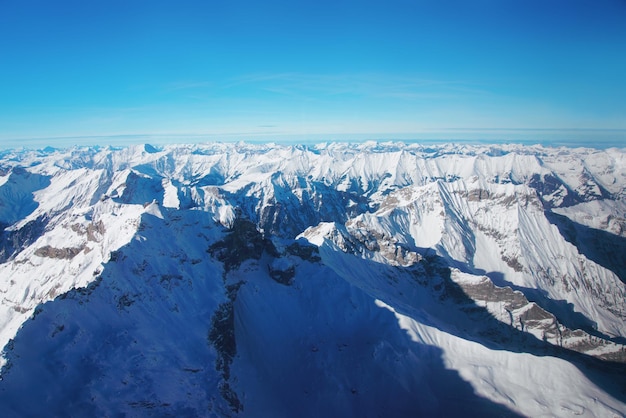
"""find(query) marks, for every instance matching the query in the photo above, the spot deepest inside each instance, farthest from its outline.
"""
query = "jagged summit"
(331, 279)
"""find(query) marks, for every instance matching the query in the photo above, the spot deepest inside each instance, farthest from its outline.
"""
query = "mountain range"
(336, 279)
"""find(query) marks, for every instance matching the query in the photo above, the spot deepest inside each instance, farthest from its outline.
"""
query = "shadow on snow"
(135, 341)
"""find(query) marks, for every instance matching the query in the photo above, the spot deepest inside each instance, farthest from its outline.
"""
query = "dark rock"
(60, 253)
(243, 242)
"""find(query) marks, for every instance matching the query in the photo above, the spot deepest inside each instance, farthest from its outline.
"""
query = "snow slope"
(338, 279)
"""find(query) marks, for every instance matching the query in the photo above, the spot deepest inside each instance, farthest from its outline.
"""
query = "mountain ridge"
(503, 250)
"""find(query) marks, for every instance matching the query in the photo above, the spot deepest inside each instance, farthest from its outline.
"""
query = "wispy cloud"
(321, 89)
(320, 86)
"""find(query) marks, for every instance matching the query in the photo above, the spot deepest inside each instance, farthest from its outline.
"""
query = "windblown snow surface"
(364, 280)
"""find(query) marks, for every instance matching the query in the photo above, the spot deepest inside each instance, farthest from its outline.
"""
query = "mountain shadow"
(324, 347)
(138, 341)
(604, 248)
(13, 241)
(426, 293)
(133, 342)
(17, 199)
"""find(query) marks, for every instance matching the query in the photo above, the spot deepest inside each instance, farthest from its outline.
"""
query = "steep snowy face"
(347, 278)
(503, 231)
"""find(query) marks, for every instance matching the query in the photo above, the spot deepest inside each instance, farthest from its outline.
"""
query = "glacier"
(334, 279)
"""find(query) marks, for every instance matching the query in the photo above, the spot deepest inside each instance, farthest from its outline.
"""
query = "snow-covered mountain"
(332, 280)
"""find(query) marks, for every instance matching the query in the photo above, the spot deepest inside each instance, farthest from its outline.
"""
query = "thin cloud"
(321, 86)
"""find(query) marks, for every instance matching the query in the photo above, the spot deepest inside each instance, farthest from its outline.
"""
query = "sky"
(88, 71)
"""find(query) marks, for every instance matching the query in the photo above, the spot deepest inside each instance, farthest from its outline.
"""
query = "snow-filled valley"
(370, 279)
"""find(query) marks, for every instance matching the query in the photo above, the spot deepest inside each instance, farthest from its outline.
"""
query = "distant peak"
(150, 149)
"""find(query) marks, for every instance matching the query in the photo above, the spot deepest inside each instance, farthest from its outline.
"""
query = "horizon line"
(379, 135)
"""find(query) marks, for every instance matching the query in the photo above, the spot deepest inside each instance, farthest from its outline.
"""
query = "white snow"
(170, 197)
(511, 378)
(374, 211)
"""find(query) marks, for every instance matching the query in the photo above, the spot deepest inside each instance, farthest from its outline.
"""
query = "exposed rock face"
(62, 253)
(243, 242)
(304, 250)
(93, 231)
(511, 306)
(283, 272)
(477, 296)
(222, 337)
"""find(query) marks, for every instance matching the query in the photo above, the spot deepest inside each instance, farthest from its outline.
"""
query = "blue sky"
(326, 69)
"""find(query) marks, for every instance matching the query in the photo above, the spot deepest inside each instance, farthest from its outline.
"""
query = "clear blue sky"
(261, 69)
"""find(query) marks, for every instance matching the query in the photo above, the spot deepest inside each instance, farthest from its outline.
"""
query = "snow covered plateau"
(348, 280)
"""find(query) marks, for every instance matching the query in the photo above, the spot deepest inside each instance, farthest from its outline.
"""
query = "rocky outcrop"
(61, 253)
(242, 242)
